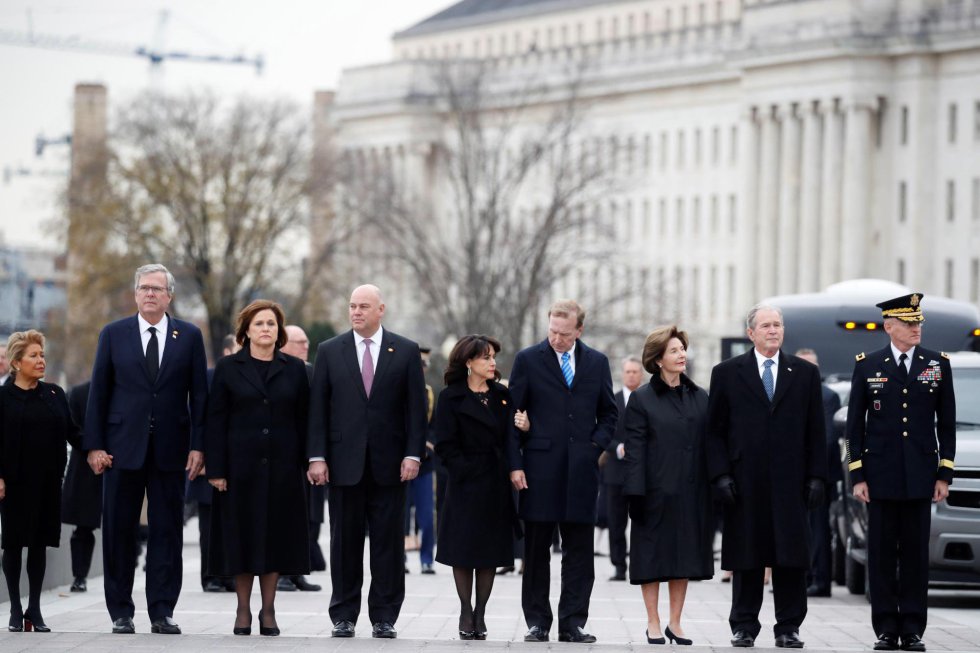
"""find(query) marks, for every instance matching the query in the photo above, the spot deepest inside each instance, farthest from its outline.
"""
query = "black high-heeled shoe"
(682, 641)
(464, 632)
(479, 627)
(651, 640)
(271, 631)
(16, 622)
(35, 622)
(244, 630)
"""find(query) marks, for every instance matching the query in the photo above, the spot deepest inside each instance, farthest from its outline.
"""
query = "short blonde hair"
(17, 345)
(656, 345)
(568, 308)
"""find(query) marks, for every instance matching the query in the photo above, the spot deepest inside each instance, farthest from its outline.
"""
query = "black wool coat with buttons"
(901, 434)
(256, 440)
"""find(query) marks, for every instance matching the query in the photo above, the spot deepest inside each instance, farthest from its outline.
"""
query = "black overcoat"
(34, 427)
(256, 440)
(81, 499)
(478, 520)
(665, 464)
(771, 449)
(570, 427)
(614, 470)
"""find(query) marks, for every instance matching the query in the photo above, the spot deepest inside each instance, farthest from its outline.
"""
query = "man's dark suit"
(570, 427)
(148, 428)
(364, 441)
(613, 478)
(771, 449)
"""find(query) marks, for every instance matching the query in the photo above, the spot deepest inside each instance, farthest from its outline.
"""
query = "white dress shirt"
(760, 363)
(898, 354)
(375, 347)
(161, 328)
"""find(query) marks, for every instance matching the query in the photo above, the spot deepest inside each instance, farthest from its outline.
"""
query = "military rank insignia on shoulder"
(860, 357)
(944, 355)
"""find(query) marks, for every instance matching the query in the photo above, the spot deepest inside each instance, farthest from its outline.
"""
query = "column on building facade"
(830, 205)
(766, 246)
(788, 244)
(856, 187)
(748, 161)
(808, 271)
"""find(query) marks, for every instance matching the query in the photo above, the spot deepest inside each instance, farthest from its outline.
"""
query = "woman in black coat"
(256, 459)
(667, 482)
(477, 522)
(35, 423)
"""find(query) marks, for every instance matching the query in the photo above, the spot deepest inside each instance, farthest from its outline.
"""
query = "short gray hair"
(754, 311)
(151, 268)
(631, 359)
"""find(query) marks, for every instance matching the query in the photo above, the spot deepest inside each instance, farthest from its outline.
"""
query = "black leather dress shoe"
(384, 630)
(79, 585)
(887, 642)
(164, 626)
(619, 575)
(123, 626)
(742, 639)
(816, 591)
(536, 634)
(285, 584)
(910, 642)
(576, 635)
(213, 585)
(304, 585)
(789, 640)
(343, 629)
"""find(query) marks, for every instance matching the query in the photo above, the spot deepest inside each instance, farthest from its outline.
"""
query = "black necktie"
(153, 354)
(903, 372)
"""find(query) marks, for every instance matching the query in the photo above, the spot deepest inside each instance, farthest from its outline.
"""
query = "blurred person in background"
(4, 366)
(256, 440)
(421, 492)
(35, 424)
(478, 522)
(666, 482)
(81, 501)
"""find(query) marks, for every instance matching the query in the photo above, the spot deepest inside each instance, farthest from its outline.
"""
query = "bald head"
(366, 310)
(297, 344)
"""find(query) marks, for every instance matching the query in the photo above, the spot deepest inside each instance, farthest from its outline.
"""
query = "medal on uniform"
(877, 404)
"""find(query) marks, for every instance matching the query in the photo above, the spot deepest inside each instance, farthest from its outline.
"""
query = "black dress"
(34, 427)
(666, 465)
(256, 436)
(478, 520)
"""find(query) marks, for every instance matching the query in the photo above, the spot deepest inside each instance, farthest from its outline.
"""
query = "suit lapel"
(168, 340)
(787, 372)
(136, 342)
(277, 366)
(471, 406)
(349, 352)
(386, 351)
(551, 361)
(749, 372)
(247, 369)
(583, 358)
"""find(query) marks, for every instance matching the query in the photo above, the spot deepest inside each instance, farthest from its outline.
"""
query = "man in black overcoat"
(768, 462)
(366, 438)
(565, 389)
(614, 471)
(901, 441)
(81, 499)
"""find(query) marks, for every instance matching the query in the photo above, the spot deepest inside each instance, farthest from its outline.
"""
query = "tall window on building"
(976, 120)
(732, 214)
(684, 17)
(713, 291)
(715, 145)
(680, 149)
(667, 19)
(695, 291)
(663, 151)
(975, 280)
(950, 200)
(902, 201)
(647, 228)
(679, 218)
(697, 147)
(900, 270)
(733, 146)
(730, 290)
(714, 215)
(696, 215)
(719, 12)
(646, 151)
(903, 126)
(662, 217)
(948, 285)
(975, 200)
(951, 123)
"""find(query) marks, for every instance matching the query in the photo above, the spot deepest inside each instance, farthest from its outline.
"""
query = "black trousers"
(616, 516)
(789, 597)
(122, 503)
(898, 565)
(577, 574)
(82, 547)
(820, 546)
(381, 509)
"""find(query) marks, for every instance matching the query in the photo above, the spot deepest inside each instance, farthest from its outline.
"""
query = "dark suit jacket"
(901, 459)
(345, 423)
(81, 502)
(770, 449)
(569, 429)
(614, 469)
(122, 398)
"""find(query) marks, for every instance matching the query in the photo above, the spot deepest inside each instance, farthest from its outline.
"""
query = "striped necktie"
(566, 369)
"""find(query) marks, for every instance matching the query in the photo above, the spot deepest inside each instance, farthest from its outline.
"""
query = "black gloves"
(813, 493)
(725, 488)
(634, 507)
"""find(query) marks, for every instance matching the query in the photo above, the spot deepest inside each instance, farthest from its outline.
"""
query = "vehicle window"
(966, 383)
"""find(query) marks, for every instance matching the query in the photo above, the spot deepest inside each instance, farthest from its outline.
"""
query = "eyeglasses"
(146, 290)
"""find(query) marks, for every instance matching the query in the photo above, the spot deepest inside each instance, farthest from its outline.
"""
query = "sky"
(305, 43)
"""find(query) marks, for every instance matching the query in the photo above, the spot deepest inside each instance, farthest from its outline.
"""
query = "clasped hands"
(319, 474)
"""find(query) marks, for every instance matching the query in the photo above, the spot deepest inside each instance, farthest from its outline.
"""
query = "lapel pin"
(391, 349)
(174, 334)
(789, 369)
(503, 401)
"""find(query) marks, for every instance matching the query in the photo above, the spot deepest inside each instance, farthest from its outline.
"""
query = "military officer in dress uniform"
(901, 440)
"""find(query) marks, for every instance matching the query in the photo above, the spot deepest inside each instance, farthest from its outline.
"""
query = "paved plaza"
(429, 618)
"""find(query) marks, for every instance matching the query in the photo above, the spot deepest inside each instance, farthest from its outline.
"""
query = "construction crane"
(156, 55)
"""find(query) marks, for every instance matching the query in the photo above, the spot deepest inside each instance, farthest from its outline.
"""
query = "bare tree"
(515, 187)
(218, 193)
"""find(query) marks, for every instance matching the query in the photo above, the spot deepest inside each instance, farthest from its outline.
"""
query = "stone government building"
(780, 145)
